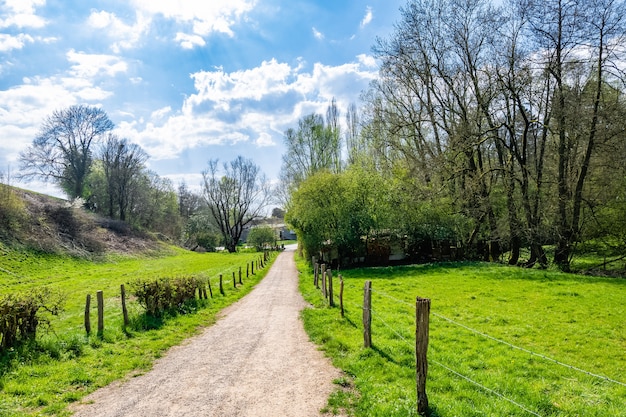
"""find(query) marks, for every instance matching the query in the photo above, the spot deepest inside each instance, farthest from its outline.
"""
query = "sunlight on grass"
(576, 320)
(64, 364)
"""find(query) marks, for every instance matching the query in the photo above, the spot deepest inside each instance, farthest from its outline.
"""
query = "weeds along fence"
(418, 341)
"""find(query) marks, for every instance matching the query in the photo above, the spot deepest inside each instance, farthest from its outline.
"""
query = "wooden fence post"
(240, 282)
(422, 312)
(210, 290)
(252, 264)
(367, 314)
(315, 270)
(221, 285)
(87, 317)
(341, 294)
(100, 298)
(247, 270)
(331, 302)
(234, 280)
(124, 310)
(323, 273)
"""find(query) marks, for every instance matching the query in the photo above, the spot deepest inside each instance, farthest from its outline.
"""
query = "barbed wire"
(539, 355)
(496, 393)
(489, 390)
(379, 317)
(478, 332)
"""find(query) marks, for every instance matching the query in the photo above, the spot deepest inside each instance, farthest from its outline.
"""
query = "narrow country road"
(255, 361)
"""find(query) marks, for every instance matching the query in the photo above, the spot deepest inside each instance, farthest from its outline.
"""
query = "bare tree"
(313, 146)
(62, 152)
(236, 197)
(123, 163)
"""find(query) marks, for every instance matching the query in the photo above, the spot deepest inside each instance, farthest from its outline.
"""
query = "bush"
(22, 314)
(261, 237)
(164, 294)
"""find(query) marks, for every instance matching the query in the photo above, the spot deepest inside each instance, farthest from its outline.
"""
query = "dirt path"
(255, 361)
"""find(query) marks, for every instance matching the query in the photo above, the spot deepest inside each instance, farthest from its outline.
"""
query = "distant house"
(281, 229)
(287, 234)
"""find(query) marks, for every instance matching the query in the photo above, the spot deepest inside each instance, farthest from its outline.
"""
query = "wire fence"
(410, 342)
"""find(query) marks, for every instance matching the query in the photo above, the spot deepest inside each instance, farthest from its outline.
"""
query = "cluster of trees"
(503, 125)
(78, 151)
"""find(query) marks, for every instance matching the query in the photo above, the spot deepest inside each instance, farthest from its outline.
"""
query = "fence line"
(529, 351)
(374, 313)
(495, 339)
(412, 348)
(484, 387)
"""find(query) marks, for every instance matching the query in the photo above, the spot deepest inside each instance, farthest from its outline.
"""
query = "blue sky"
(187, 80)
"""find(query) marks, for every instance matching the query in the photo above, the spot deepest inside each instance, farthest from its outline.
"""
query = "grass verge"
(64, 364)
(576, 320)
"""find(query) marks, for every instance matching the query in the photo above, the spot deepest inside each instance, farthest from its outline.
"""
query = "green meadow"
(64, 363)
(496, 335)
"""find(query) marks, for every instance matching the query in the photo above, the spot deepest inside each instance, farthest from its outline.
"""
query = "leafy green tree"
(261, 237)
(63, 150)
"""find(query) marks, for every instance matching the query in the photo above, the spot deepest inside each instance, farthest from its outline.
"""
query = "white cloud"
(367, 60)
(161, 113)
(21, 13)
(91, 65)
(9, 42)
(367, 19)
(204, 18)
(126, 36)
(265, 139)
(189, 41)
(256, 106)
(269, 78)
(317, 34)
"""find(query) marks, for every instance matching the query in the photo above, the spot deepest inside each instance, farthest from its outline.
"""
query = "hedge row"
(163, 294)
(22, 314)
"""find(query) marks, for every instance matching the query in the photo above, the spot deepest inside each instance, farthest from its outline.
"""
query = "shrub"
(261, 237)
(22, 314)
(164, 294)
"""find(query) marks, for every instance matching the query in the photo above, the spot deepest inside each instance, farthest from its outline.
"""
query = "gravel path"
(255, 361)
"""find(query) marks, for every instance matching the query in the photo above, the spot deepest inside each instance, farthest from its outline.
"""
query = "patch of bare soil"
(256, 361)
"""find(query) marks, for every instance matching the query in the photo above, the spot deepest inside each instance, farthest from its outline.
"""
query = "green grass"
(575, 320)
(64, 364)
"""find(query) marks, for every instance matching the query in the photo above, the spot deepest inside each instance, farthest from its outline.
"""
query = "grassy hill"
(33, 221)
(45, 243)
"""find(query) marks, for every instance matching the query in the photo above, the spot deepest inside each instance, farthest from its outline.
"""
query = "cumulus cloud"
(21, 14)
(202, 18)
(10, 42)
(189, 41)
(125, 35)
(255, 105)
(88, 66)
(367, 60)
(23, 107)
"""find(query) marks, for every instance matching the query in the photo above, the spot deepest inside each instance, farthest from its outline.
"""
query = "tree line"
(77, 150)
(495, 129)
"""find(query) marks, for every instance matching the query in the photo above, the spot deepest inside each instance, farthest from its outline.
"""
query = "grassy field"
(578, 321)
(65, 364)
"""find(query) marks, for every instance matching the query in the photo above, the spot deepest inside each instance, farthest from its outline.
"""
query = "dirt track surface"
(255, 361)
